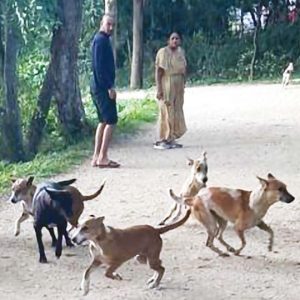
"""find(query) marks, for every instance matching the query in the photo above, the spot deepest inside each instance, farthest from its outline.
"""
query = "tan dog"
(23, 191)
(215, 206)
(192, 185)
(286, 76)
(113, 247)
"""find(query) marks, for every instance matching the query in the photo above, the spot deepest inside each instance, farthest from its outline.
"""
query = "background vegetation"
(224, 41)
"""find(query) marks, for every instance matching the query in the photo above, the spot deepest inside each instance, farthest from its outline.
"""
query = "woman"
(170, 69)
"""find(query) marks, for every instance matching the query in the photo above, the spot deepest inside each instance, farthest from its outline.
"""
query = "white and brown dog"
(287, 74)
(215, 206)
(196, 180)
(112, 247)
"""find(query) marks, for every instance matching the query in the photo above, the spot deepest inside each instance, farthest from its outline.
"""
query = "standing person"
(103, 93)
(170, 70)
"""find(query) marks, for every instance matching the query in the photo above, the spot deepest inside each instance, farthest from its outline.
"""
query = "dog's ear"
(204, 155)
(270, 176)
(30, 180)
(262, 181)
(190, 161)
(13, 180)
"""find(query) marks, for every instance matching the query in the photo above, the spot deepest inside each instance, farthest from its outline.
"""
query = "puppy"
(113, 247)
(215, 206)
(196, 180)
(23, 191)
(286, 77)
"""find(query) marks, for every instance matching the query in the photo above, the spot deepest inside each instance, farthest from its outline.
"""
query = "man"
(103, 93)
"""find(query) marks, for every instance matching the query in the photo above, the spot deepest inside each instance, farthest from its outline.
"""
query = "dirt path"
(246, 131)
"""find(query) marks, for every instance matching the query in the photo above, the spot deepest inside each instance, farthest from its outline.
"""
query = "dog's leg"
(210, 223)
(67, 239)
(110, 271)
(240, 233)
(173, 209)
(263, 226)
(38, 233)
(61, 228)
(22, 218)
(178, 212)
(53, 237)
(85, 283)
(155, 264)
(222, 226)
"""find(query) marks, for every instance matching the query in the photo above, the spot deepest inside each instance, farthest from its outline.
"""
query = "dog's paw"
(224, 254)
(117, 276)
(153, 284)
(17, 232)
(43, 260)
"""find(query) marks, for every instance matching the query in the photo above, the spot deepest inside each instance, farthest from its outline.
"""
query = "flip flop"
(111, 164)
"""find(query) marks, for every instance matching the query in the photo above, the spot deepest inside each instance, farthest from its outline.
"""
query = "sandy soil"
(247, 130)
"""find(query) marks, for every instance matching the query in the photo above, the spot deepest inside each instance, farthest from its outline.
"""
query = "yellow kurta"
(171, 118)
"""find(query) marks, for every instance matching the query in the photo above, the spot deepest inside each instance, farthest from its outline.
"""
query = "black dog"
(51, 206)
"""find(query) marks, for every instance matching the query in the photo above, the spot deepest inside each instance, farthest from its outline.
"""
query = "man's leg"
(98, 143)
(106, 139)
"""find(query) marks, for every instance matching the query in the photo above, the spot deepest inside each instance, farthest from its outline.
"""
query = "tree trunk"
(11, 122)
(254, 56)
(1, 50)
(136, 78)
(64, 54)
(38, 120)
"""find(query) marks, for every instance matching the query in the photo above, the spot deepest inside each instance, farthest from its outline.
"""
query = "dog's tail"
(181, 199)
(174, 225)
(97, 193)
(66, 182)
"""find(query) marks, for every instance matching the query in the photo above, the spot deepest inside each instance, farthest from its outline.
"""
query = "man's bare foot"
(94, 162)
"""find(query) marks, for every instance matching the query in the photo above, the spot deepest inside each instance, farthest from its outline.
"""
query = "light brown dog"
(215, 206)
(196, 180)
(287, 74)
(23, 191)
(113, 247)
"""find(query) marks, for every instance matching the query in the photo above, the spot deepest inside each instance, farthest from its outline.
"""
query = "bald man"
(103, 93)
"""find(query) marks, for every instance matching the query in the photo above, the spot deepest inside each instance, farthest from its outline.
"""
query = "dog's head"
(275, 190)
(22, 190)
(199, 169)
(91, 229)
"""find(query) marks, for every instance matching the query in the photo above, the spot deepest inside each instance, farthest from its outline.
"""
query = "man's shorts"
(106, 107)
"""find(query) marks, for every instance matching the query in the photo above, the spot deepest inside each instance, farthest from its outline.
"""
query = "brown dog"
(215, 206)
(23, 191)
(192, 185)
(113, 247)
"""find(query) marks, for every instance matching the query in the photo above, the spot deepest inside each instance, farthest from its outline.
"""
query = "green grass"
(132, 114)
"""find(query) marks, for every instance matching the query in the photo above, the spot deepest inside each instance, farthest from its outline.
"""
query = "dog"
(113, 247)
(215, 206)
(192, 185)
(287, 74)
(24, 189)
(50, 208)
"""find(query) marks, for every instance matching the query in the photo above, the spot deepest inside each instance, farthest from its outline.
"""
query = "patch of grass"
(132, 113)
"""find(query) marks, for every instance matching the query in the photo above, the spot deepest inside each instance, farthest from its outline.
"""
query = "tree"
(12, 131)
(136, 78)
(61, 79)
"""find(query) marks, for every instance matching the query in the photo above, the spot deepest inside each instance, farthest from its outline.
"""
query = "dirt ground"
(247, 130)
